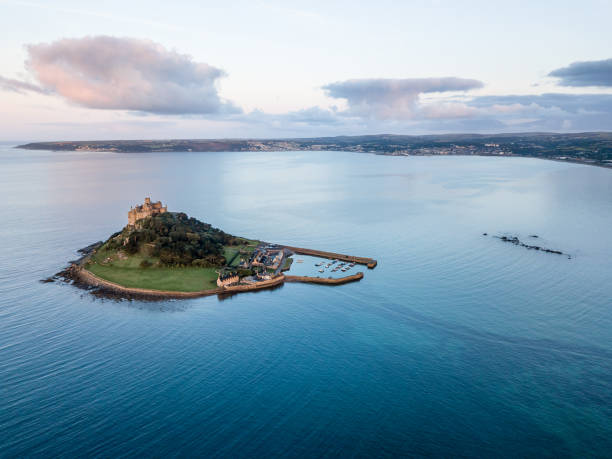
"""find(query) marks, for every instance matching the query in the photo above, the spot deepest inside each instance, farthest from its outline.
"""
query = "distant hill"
(588, 147)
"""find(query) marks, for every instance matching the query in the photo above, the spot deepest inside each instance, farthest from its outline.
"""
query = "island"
(161, 254)
(592, 148)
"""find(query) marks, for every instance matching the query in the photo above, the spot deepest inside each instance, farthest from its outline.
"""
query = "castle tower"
(145, 210)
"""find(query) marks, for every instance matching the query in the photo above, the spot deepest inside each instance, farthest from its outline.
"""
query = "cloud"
(393, 98)
(309, 120)
(567, 103)
(113, 73)
(313, 115)
(448, 110)
(484, 114)
(143, 77)
(587, 73)
(9, 84)
(552, 111)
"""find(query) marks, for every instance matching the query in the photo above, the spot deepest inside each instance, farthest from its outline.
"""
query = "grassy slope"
(287, 263)
(127, 271)
(232, 253)
(171, 279)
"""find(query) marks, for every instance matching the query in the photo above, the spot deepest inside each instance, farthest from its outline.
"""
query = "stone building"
(145, 210)
(227, 279)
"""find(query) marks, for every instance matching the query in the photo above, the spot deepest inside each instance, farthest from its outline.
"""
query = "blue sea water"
(457, 344)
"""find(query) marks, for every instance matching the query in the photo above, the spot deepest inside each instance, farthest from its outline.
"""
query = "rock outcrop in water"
(516, 241)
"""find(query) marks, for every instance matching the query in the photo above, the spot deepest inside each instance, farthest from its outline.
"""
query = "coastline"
(560, 147)
(543, 158)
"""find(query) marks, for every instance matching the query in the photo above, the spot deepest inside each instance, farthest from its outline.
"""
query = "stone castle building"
(145, 210)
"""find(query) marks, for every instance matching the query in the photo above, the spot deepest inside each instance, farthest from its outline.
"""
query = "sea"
(456, 345)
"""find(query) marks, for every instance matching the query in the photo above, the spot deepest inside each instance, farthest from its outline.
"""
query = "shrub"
(176, 239)
(244, 272)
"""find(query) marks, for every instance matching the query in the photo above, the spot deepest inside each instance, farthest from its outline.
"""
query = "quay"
(325, 280)
(369, 262)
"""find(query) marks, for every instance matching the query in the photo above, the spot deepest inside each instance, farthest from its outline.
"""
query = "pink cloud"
(106, 72)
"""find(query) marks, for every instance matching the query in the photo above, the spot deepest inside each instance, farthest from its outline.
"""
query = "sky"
(78, 70)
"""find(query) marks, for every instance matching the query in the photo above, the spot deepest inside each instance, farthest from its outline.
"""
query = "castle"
(146, 210)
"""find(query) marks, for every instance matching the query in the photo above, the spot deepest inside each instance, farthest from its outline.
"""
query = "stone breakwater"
(325, 280)
(369, 262)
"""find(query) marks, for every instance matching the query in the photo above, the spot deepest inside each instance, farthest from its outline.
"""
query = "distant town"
(593, 148)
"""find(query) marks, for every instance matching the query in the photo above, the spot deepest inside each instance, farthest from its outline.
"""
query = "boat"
(321, 270)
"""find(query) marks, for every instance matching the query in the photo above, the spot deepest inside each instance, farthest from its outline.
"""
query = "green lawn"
(174, 279)
(232, 252)
(128, 273)
(126, 270)
(130, 261)
(287, 263)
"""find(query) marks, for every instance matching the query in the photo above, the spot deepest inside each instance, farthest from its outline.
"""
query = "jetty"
(325, 280)
(369, 262)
